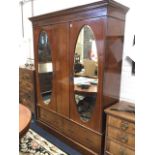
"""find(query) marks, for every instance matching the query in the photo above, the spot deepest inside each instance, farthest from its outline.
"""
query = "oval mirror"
(45, 69)
(85, 73)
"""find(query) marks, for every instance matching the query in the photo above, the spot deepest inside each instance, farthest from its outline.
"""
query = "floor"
(66, 148)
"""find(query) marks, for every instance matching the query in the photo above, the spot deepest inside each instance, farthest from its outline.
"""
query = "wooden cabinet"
(27, 87)
(81, 50)
(120, 129)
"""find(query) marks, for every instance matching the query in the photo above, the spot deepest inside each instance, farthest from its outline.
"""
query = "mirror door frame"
(97, 26)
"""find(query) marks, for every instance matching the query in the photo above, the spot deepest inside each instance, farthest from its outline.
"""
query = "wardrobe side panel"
(114, 51)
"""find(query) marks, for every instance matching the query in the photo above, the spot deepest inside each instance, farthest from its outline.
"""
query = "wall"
(42, 6)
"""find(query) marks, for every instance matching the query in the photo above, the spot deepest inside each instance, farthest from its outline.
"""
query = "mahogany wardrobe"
(78, 58)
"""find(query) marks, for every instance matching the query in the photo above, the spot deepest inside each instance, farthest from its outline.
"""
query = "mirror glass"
(85, 73)
(45, 69)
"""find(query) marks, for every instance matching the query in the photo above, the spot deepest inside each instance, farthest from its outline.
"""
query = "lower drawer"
(121, 136)
(113, 148)
(72, 130)
(27, 100)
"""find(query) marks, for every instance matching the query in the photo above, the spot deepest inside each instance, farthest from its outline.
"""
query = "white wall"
(128, 80)
(42, 6)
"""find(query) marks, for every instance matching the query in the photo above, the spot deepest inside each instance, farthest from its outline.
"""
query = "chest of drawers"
(27, 87)
(120, 129)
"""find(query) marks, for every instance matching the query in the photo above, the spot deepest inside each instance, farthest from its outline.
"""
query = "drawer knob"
(124, 139)
(26, 78)
(27, 96)
(124, 125)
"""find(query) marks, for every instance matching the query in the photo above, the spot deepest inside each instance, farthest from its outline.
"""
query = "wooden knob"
(124, 125)
(124, 139)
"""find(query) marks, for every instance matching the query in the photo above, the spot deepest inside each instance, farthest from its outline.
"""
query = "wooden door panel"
(97, 26)
(37, 31)
(60, 47)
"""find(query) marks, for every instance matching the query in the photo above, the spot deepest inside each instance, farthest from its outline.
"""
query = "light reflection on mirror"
(85, 73)
(45, 69)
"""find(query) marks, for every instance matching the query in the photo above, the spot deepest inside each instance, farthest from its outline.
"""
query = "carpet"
(34, 144)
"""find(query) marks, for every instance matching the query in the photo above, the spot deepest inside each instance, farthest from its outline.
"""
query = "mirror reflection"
(45, 69)
(85, 73)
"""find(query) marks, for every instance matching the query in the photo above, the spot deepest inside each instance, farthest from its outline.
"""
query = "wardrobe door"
(87, 55)
(60, 40)
(45, 60)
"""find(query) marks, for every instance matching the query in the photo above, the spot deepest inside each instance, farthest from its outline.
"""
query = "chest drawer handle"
(27, 96)
(124, 139)
(27, 78)
(124, 125)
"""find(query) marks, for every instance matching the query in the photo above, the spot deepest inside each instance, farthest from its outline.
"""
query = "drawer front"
(83, 136)
(121, 124)
(26, 97)
(50, 118)
(26, 75)
(72, 130)
(121, 136)
(26, 86)
(26, 94)
(113, 148)
(28, 100)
